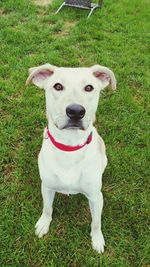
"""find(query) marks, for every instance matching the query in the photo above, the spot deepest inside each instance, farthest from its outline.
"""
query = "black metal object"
(84, 4)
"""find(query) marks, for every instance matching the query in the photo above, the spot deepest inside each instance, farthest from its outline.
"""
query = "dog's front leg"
(42, 225)
(96, 206)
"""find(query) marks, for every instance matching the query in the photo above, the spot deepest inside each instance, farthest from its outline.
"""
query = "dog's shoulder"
(101, 149)
(101, 144)
(100, 141)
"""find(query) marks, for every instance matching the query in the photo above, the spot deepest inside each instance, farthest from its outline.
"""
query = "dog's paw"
(98, 242)
(42, 226)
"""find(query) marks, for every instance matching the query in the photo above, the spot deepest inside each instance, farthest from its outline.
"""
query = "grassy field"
(116, 36)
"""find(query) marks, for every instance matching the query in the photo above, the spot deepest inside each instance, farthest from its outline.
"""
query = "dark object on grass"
(85, 4)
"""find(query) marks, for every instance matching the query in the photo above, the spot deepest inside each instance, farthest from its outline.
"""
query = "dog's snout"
(75, 111)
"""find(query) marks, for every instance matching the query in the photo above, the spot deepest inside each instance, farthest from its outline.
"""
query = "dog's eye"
(58, 87)
(89, 88)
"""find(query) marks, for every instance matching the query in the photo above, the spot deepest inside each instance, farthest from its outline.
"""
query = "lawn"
(117, 37)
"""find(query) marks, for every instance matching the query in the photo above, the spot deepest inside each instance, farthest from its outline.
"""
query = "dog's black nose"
(75, 112)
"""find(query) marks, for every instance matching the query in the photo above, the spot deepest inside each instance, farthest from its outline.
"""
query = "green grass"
(116, 36)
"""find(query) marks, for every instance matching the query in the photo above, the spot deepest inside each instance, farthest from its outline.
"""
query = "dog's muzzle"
(75, 113)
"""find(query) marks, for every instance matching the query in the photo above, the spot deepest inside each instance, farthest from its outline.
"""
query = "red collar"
(65, 147)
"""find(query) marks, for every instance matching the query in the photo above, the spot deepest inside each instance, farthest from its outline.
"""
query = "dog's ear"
(105, 75)
(38, 75)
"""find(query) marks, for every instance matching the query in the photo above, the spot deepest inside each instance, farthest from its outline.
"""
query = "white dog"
(72, 158)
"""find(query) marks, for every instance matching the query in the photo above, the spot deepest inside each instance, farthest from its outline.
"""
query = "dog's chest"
(61, 173)
(67, 181)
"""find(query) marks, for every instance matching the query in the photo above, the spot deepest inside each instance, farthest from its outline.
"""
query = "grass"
(116, 36)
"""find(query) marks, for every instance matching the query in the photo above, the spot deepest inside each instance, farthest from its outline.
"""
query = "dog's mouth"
(73, 124)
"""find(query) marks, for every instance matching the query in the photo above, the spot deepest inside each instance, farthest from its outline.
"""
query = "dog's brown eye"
(58, 87)
(88, 88)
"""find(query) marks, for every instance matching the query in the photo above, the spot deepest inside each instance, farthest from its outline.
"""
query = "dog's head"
(72, 94)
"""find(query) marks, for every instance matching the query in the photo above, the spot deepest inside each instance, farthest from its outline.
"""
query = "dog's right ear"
(38, 75)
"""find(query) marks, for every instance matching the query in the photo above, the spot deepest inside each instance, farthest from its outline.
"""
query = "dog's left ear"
(105, 75)
(38, 75)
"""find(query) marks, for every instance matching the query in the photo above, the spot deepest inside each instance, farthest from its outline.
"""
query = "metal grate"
(84, 4)
(80, 3)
